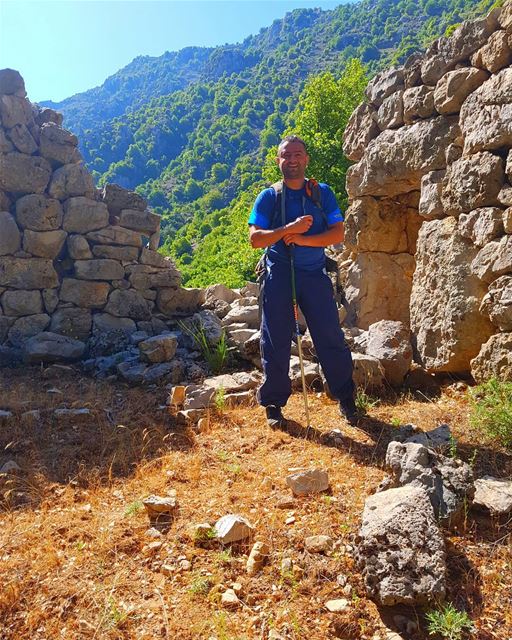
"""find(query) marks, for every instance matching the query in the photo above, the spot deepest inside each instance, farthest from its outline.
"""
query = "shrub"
(448, 622)
(492, 410)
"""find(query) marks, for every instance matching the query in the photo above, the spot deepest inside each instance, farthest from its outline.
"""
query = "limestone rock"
(233, 528)
(381, 225)
(199, 397)
(71, 180)
(430, 205)
(378, 285)
(389, 342)
(15, 110)
(368, 372)
(383, 85)
(493, 260)
(497, 303)
(361, 128)
(220, 292)
(178, 301)
(50, 300)
(84, 293)
(455, 86)
(307, 482)
(117, 198)
(158, 348)
(319, 544)
(27, 326)
(44, 244)
(116, 235)
(486, 115)
(257, 558)
(82, 215)
(445, 299)
(132, 371)
(27, 273)
(20, 173)
(493, 494)
(496, 54)
(248, 314)
(78, 248)
(418, 103)
(494, 359)
(440, 439)
(58, 145)
(128, 304)
(39, 213)
(99, 270)
(48, 115)
(123, 254)
(482, 225)
(11, 83)
(105, 323)
(447, 482)
(157, 506)
(52, 347)
(391, 112)
(143, 221)
(22, 139)
(472, 182)
(22, 303)
(72, 322)
(336, 606)
(445, 53)
(10, 238)
(396, 160)
(401, 549)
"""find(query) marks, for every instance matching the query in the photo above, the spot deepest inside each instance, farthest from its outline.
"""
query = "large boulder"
(418, 103)
(84, 293)
(128, 304)
(472, 182)
(143, 221)
(99, 269)
(362, 127)
(381, 224)
(482, 225)
(396, 160)
(383, 85)
(447, 482)
(486, 115)
(179, 301)
(494, 359)
(11, 83)
(20, 173)
(39, 213)
(44, 244)
(58, 145)
(26, 327)
(10, 237)
(82, 215)
(71, 180)
(117, 198)
(455, 86)
(445, 319)
(445, 53)
(72, 322)
(379, 286)
(497, 303)
(21, 303)
(389, 341)
(493, 260)
(400, 548)
(158, 348)
(115, 235)
(27, 273)
(52, 347)
(496, 54)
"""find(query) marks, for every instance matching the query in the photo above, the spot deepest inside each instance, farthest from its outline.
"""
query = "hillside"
(190, 130)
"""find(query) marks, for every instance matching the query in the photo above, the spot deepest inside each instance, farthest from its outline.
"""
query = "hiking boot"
(275, 419)
(350, 412)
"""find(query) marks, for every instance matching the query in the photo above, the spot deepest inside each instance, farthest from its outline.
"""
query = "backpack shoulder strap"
(314, 193)
(279, 207)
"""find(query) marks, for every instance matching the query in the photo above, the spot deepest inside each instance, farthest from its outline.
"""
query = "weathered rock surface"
(158, 348)
(310, 481)
(10, 238)
(494, 359)
(39, 213)
(389, 342)
(233, 528)
(445, 299)
(401, 550)
(52, 347)
(27, 273)
(493, 494)
(362, 127)
(497, 303)
(20, 173)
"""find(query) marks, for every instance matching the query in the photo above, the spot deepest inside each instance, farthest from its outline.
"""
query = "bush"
(492, 410)
(449, 623)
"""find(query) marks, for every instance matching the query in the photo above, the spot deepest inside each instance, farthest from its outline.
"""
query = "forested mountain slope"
(190, 130)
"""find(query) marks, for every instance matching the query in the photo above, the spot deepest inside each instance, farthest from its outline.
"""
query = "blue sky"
(62, 47)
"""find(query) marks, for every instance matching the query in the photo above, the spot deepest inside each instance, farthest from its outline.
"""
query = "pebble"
(337, 605)
(229, 599)
(233, 528)
(309, 481)
(319, 544)
(285, 502)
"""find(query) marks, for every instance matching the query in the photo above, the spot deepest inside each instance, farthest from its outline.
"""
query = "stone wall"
(428, 230)
(73, 259)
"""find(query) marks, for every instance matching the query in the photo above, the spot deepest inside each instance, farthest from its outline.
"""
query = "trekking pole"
(297, 333)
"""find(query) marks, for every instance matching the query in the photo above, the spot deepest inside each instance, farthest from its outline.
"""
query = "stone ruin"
(75, 261)
(428, 230)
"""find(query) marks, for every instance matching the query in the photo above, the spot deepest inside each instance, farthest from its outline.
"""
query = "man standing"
(276, 226)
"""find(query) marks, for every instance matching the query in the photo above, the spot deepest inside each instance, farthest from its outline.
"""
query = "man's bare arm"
(261, 238)
(334, 235)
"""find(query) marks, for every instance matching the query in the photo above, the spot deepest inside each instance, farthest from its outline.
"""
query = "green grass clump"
(492, 410)
(449, 623)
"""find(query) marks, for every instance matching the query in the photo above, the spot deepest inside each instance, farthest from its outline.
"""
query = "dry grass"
(76, 560)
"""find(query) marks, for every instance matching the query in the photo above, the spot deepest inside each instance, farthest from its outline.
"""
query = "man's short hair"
(292, 138)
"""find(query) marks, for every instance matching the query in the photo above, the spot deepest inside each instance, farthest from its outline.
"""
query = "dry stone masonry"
(75, 261)
(428, 230)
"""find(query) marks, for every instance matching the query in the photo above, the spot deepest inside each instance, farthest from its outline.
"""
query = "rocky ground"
(79, 559)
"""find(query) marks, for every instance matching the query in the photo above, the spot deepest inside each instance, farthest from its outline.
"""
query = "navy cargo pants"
(316, 300)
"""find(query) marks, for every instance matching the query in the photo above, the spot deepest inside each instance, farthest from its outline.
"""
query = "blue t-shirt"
(297, 204)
